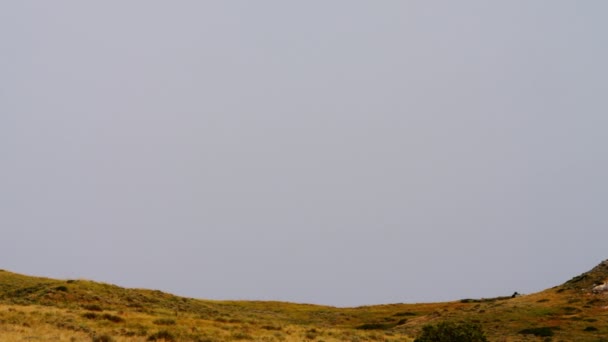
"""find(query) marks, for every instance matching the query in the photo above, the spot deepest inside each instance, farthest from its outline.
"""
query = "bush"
(311, 335)
(271, 327)
(164, 321)
(452, 332)
(61, 288)
(469, 300)
(241, 336)
(161, 335)
(375, 326)
(89, 315)
(103, 338)
(541, 332)
(113, 318)
(571, 310)
(92, 307)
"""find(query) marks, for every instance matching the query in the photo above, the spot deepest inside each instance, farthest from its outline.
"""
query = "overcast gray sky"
(335, 152)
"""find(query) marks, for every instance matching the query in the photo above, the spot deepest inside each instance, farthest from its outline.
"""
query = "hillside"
(43, 309)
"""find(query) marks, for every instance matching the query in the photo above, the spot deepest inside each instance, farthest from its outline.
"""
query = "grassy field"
(42, 309)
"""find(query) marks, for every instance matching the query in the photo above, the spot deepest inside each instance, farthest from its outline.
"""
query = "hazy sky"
(334, 152)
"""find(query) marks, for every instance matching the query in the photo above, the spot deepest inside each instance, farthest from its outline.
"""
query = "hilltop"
(36, 308)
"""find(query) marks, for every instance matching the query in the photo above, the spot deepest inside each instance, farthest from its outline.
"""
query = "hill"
(43, 309)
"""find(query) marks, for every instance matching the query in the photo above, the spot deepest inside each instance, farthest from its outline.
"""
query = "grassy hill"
(43, 309)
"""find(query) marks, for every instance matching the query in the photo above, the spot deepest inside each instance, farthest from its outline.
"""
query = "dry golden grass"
(41, 309)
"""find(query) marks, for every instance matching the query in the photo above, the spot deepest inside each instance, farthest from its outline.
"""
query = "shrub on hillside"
(452, 332)
(375, 326)
(540, 332)
(164, 321)
(103, 338)
(89, 315)
(161, 335)
(61, 288)
(92, 307)
(113, 318)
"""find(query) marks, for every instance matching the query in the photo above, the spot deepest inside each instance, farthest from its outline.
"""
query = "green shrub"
(452, 332)
(92, 307)
(541, 332)
(113, 318)
(271, 327)
(469, 300)
(311, 334)
(241, 336)
(571, 310)
(89, 315)
(375, 326)
(161, 335)
(61, 288)
(164, 321)
(103, 338)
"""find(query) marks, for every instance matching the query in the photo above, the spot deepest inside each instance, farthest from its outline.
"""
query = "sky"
(333, 152)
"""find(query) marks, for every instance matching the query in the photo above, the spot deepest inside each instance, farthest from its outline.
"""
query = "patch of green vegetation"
(89, 315)
(113, 318)
(61, 288)
(92, 307)
(541, 331)
(376, 326)
(469, 300)
(485, 300)
(241, 336)
(452, 332)
(542, 311)
(577, 279)
(311, 334)
(571, 310)
(103, 338)
(271, 327)
(162, 335)
(164, 321)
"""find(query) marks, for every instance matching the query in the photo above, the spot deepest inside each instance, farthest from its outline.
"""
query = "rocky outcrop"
(590, 280)
(600, 288)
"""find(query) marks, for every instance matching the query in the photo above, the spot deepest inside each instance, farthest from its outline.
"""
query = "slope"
(81, 310)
